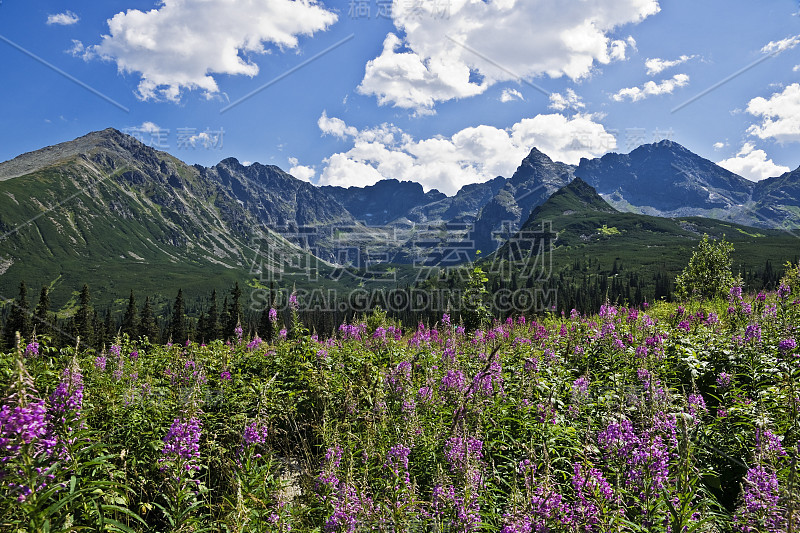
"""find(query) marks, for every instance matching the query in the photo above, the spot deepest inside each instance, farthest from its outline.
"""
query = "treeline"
(583, 285)
(216, 320)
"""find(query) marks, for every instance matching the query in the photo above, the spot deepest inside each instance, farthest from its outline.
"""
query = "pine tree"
(83, 323)
(202, 326)
(42, 315)
(130, 321)
(211, 330)
(224, 319)
(19, 318)
(234, 312)
(109, 330)
(178, 325)
(147, 323)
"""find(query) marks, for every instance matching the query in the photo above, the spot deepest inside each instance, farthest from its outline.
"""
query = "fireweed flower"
(225, 375)
(784, 291)
(397, 462)
(759, 510)
(697, 405)
(735, 294)
(724, 380)
(273, 315)
(100, 362)
(182, 445)
(293, 304)
(787, 345)
(254, 344)
(330, 464)
(32, 349)
(580, 389)
(453, 380)
(239, 333)
(752, 333)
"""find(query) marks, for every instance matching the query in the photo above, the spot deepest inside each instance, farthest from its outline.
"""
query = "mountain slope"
(108, 210)
(536, 178)
(777, 201)
(383, 202)
(666, 179)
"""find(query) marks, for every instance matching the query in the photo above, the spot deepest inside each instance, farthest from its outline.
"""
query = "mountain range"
(108, 209)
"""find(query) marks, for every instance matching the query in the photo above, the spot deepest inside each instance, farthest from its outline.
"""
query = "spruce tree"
(234, 312)
(130, 321)
(42, 318)
(147, 323)
(178, 325)
(109, 330)
(19, 318)
(224, 320)
(83, 325)
(211, 330)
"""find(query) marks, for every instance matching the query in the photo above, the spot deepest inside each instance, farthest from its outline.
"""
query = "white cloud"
(560, 102)
(780, 115)
(652, 88)
(753, 164)
(335, 126)
(437, 56)
(510, 94)
(149, 127)
(780, 46)
(67, 18)
(796, 68)
(656, 66)
(472, 155)
(301, 172)
(182, 43)
(719, 145)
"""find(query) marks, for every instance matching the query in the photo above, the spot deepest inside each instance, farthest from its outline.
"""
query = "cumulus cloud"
(67, 18)
(182, 43)
(560, 102)
(780, 46)
(753, 164)
(656, 66)
(719, 145)
(471, 155)
(299, 171)
(780, 115)
(651, 88)
(447, 50)
(510, 95)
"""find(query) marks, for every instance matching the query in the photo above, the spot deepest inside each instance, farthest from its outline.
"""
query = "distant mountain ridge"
(105, 200)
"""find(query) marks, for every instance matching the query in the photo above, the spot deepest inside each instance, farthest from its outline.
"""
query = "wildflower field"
(663, 418)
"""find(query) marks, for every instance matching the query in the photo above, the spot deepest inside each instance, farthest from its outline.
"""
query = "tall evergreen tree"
(83, 325)
(42, 317)
(147, 323)
(211, 330)
(224, 320)
(201, 329)
(234, 312)
(19, 318)
(109, 330)
(130, 321)
(178, 330)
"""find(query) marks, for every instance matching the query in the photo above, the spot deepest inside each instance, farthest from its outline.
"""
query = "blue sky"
(444, 92)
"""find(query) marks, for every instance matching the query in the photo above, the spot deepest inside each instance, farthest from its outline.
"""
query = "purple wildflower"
(182, 444)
